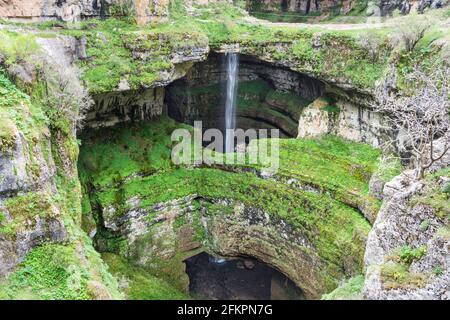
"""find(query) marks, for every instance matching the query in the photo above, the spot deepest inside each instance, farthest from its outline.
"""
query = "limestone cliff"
(39, 187)
(408, 248)
(343, 7)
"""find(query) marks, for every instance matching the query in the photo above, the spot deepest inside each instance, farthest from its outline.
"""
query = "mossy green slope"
(138, 283)
(120, 164)
(66, 267)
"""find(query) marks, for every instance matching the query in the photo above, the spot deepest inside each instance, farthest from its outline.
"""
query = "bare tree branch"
(421, 117)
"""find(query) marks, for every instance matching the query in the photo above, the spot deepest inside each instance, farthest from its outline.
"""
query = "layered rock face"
(343, 118)
(27, 167)
(376, 8)
(303, 6)
(115, 107)
(66, 10)
(268, 97)
(160, 242)
(28, 171)
(407, 254)
(386, 7)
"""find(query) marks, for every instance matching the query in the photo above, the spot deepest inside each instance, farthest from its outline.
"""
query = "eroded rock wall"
(115, 107)
(303, 6)
(345, 119)
(156, 240)
(407, 253)
(74, 10)
(40, 198)
(387, 7)
(268, 96)
(343, 7)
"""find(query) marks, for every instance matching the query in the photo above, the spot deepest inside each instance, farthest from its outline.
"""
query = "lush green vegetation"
(336, 13)
(331, 175)
(350, 290)
(330, 164)
(115, 47)
(397, 276)
(17, 112)
(138, 284)
(55, 271)
(434, 195)
(134, 160)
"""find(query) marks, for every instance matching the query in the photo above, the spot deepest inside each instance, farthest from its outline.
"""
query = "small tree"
(65, 98)
(371, 44)
(409, 34)
(421, 117)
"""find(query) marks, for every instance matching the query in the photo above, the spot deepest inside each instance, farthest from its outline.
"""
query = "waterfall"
(230, 103)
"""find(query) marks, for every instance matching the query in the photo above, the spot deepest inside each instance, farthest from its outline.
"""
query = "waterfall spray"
(230, 103)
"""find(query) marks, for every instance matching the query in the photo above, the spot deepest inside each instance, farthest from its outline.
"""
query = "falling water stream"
(230, 103)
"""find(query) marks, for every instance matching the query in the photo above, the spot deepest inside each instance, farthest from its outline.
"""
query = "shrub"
(446, 188)
(409, 255)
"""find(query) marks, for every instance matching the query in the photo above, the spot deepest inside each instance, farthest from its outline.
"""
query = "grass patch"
(397, 276)
(48, 272)
(127, 162)
(138, 283)
(349, 290)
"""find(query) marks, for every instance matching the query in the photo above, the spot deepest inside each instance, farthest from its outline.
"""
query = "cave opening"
(267, 96)
(216, 278)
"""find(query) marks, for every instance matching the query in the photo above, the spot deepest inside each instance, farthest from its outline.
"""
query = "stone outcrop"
(156, 240)
(115, 107)
(66, 10)
(387, 7)
(375, 8)
(27, 167)
(342, 118)
(302, 6)
(407, 253)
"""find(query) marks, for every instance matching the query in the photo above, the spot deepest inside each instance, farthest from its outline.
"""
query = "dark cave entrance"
(212, 278)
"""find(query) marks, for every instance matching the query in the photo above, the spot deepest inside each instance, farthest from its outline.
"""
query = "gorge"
(92, 203)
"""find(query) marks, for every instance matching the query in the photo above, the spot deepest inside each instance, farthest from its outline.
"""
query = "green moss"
(349, 290)
(18, 112)
(409, 255)
(111, 44)
(434, 195)
(48, 272)
(397, 276)
(17, 46)
(138, 283)
(117, 162)
(25, 208)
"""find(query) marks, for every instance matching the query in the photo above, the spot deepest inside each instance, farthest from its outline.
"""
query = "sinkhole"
(213, 278)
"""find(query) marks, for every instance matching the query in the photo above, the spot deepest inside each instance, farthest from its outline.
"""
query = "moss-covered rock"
(157, 214)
